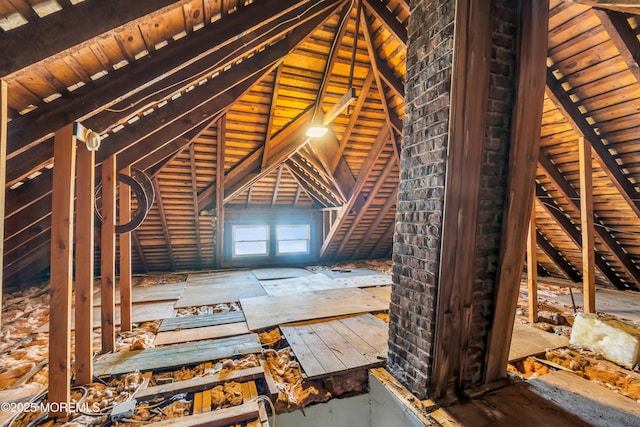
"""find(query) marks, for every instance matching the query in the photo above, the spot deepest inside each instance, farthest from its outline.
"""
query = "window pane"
(293, 232)
(250, 248)
(250, 233)
(292, 246)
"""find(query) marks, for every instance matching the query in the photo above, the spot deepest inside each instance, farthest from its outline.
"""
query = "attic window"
(250, 240)
(292, 239)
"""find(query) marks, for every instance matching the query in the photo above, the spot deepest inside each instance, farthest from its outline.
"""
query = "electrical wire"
(210, 68)
(264, 398)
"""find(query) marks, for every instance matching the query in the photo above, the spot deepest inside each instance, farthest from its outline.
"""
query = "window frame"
(307, 227)
(235, 227)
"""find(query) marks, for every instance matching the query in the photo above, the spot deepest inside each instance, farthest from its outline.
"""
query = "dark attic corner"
(363, 213)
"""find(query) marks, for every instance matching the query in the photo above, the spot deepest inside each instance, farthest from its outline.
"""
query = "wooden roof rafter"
(303, 169)
(388, 19)
(623, 37)
(561, 99)
(194, 193)
(556, 257)
(165, 227)
(384, 211)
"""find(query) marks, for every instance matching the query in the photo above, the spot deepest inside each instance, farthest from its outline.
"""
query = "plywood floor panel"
(279, 273)
(153, 293)
(310, 283)
(527, 341)
(217, 288)
(143, 312)
(365, 280)
(266, 311)
(199, 334)
(337, 345)
(176, 355)
(200, 321)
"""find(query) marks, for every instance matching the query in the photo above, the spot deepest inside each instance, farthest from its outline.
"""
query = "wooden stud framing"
(194, 194)
(108, 255)
(525, 144)
(61, 267)
(85, 205)
(220, 186)
(3, 176)
(124, 193)
(163, 221)
(587, 226)
(532, 270)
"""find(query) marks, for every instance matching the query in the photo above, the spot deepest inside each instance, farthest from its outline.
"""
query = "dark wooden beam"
(220, 188)
(623, 37)
(467, 120)
(124, 212)
(525, 142)
(532, 267)
(108, 256)
(618, 6)
(557, 258)
(304, 184)
(553, 210)
(587, 227)
(209, 47)
(384, 239)
(561, 99)
(310, 182)
(139, 251)
(365, 172)
(388, 19)
(3, 174)
(163, 221)
(380, 181)
(392, 200)
(306, 165)
(609, 241)
(194, 194)
(91, 18)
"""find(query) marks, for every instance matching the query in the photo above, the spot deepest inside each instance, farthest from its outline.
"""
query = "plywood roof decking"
(169, 82)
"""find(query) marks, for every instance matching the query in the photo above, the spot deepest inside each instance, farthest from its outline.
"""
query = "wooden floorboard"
(218, 418)
(153, 293)
(364, 281)
(217, 288)
(590, 401)
(510, 406)
(176, 355)
(527, 341)
(280, 273)
(200, 334)
(310, 283)
(142, 312)
(338, 345)
(266, 311)
(190, 322)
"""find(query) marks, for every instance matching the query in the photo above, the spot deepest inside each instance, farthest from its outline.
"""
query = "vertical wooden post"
(108, 255)
(64, 153)
(3, 174)
(125, 255)
(84, 265)
(532, 267)
(222, 125)
(588, 232)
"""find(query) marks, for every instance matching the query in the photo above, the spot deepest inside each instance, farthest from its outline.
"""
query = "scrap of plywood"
(199, 334)
(153, 293)
(382, 292)
(216, 288)
(218, 418)
(622, 304)
(140, 313)
(313, 282)
(263, 312)
(527, 341)
(588, 400)
(364, 281)
(200, 321)
(280, 273)
(176, 355)
(328, 348)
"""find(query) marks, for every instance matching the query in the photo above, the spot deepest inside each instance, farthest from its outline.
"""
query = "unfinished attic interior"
(458, 248)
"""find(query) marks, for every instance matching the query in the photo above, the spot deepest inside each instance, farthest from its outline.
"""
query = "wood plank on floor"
(210, 289)
(218, 418)
(200, 334)
(338, 345)
(152, 293)
(199, 383)
(143, 312)
(176, 355)
(527, 341)
(279, 273)
(622, 304)
(310, 283)
(590, 401)
(365, 280)
(517, 405)
(200, 321)
(266, 311)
